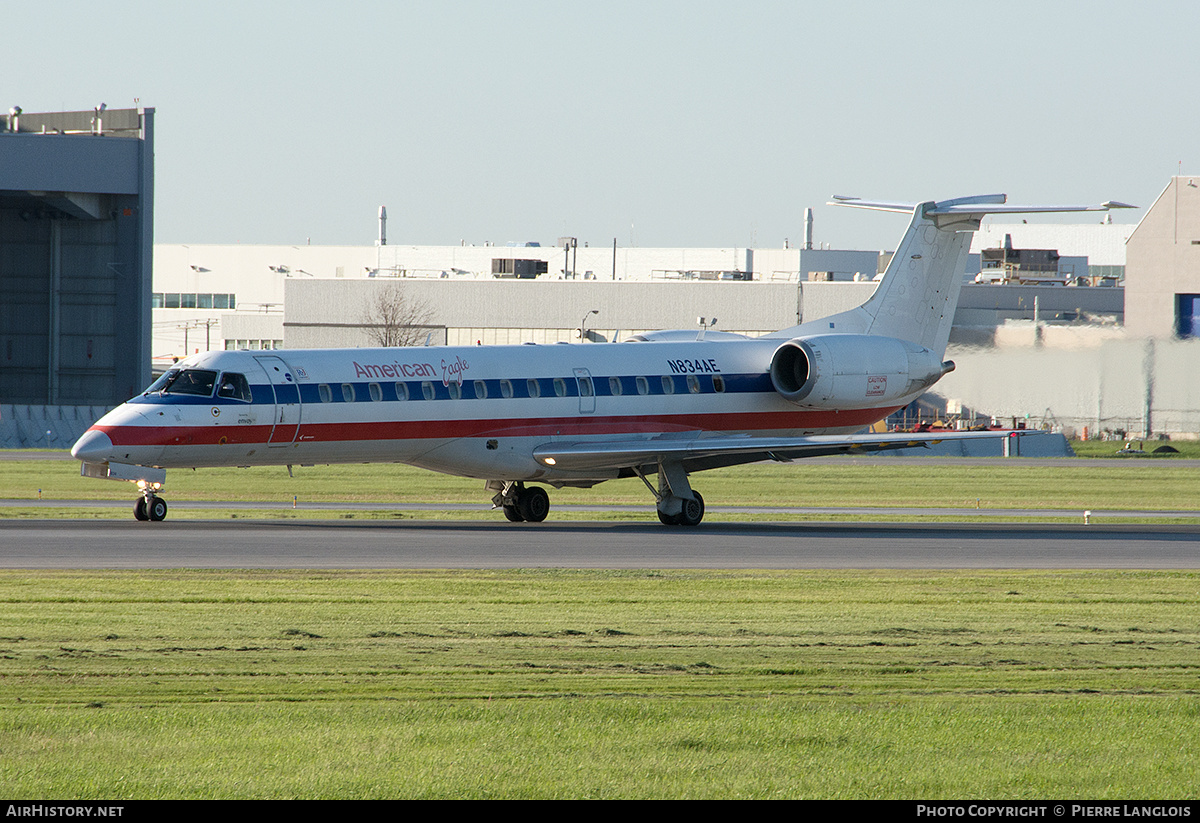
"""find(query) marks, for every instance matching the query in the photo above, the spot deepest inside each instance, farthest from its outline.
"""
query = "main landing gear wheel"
(693, 511)
(139, 509)
(691, 514)
(513, 514)
(533, 504)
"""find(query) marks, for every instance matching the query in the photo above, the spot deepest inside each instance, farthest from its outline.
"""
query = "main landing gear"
(149, 506)
(675, 500)
(530, 504)
(677, 503)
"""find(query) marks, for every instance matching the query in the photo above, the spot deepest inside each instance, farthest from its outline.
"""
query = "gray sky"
(657, 123)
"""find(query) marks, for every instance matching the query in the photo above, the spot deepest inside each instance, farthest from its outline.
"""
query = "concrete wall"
(1140, 386)
(322, 313)
(45, 427)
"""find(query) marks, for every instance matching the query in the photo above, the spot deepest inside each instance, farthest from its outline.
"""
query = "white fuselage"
(471, 411)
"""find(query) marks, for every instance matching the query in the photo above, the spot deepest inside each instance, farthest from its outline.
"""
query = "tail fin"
(917, 297)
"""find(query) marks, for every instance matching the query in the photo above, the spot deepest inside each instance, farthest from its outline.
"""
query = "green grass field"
(603, 683)
(1117, 484)
(599, 684)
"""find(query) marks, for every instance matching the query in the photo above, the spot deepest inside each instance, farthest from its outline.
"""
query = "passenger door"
(287, 401)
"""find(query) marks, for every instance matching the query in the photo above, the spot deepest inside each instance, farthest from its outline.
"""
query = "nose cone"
(94, 447)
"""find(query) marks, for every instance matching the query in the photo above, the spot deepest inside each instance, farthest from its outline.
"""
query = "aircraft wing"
(710, 452)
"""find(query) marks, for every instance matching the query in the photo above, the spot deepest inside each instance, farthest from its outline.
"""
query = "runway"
(259, 544)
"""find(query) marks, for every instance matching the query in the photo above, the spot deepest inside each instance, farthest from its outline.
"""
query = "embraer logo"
(394, 370)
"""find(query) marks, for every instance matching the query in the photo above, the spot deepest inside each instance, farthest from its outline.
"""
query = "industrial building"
(81, 322)
(76, 243)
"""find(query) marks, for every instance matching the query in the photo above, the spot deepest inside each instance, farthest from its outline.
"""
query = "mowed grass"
(1152, 484)
(599, 684)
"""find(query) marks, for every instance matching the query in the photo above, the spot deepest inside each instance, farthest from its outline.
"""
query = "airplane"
(666, 403)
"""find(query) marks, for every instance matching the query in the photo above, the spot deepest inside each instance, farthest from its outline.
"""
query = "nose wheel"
(150, 507)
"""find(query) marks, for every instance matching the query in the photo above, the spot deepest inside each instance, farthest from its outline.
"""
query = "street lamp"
(583, 325)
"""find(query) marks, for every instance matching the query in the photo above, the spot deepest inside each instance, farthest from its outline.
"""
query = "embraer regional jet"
(666, 403)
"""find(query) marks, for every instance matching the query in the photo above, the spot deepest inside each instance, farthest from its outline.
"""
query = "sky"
(655, 123)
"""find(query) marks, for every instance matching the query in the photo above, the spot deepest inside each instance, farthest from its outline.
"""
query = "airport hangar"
(1068, 355)
(76, 245)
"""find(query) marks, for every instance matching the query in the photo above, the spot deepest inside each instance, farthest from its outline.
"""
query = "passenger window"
(535, 390)
(480, 390)
(614, 386)
(376, 392)
(560, 387)
(427, 390)
(668, 384)
(455, 390)
(348, 392)
(718, 383)
(325, 393)
(585, 387)
(506, 390)
(234, 386)
(643, 385)
(693, 384)
(401, 391)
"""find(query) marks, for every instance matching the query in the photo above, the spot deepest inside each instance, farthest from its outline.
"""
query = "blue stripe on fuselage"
(310, 392)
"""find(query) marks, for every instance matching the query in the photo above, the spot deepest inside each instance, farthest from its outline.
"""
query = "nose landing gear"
(150, 506)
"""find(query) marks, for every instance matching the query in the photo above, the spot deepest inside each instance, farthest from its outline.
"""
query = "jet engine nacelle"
(853, 371)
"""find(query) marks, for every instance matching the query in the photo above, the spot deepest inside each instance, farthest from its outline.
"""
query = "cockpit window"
(163, 379)
(185, 381)
(235, 386)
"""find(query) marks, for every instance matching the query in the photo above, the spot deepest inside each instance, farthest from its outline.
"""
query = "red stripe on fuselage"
(799, 421)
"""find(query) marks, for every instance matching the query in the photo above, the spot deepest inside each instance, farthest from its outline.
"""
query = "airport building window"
(186, 300)
(244, 344)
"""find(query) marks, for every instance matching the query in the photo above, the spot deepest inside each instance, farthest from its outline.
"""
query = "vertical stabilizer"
(918, 295)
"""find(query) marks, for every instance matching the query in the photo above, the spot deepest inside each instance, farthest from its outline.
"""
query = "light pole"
(583, 325)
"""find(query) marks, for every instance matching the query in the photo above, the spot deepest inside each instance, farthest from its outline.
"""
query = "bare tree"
(395, 318)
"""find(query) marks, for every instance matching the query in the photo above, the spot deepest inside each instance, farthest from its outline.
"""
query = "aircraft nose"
(94, 447)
